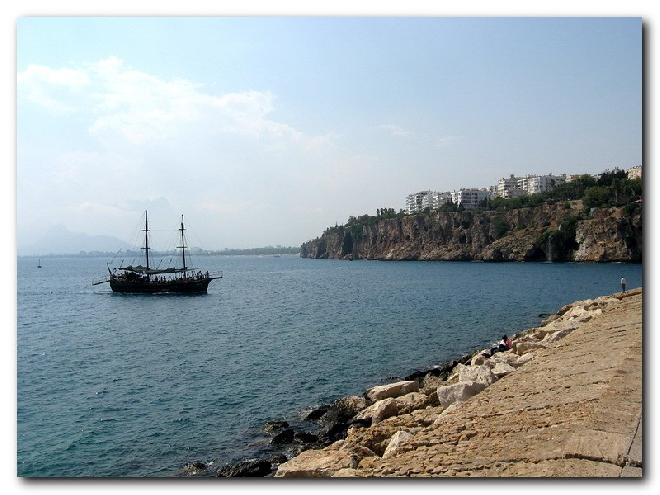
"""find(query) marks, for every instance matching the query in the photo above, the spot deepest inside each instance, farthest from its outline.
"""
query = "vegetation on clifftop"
(613, 188)
(587, 219)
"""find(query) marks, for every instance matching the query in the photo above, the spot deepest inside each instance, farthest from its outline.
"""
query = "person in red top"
(503, 345)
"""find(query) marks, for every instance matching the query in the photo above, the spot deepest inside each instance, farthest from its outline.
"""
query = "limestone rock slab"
(397, 440)
(480, 374)
(458, 392)
(392, 389)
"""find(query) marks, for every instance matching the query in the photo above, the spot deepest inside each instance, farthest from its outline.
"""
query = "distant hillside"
(262, 250)
(60, 240)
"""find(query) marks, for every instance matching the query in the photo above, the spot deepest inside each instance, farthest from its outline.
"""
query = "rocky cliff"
(551, 231)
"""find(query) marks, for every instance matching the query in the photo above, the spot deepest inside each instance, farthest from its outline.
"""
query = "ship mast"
(146, 239)
(183, 247)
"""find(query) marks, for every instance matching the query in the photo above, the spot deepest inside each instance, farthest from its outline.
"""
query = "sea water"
(138, 385)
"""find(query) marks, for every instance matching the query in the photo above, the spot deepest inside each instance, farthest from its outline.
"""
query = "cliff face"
(609, 235)
(556, 232)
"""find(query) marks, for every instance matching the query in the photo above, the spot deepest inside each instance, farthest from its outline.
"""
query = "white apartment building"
(534, 184)
(572, 177)
(419, 201)
(506, 186)
(634, 172)
(469, 197)
(439, 199)
(522, 183)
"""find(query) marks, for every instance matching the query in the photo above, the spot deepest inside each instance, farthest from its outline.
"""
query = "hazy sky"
(267, 130)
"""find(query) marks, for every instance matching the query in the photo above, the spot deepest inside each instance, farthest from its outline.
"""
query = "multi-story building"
(634, 172)
(439, 199)
(505, 186)
(418, 201)
(421, 200)
(534, 184)
(522, 183)
(573, 177)
(469, 197)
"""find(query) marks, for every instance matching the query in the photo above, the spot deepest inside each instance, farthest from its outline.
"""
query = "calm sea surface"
(120, 385)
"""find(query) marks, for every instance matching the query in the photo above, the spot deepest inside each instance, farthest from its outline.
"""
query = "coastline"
(336, 439)
(550, 231)
(525, 412)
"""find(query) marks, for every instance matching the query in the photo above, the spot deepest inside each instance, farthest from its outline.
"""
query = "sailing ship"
(149, 280)
(39, 263)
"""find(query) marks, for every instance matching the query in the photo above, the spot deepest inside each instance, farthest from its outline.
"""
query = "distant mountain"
(60, 240)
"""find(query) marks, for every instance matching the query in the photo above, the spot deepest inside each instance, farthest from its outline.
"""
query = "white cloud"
(51, 88)
(395, 130)
(441, 142)
(140, 108)
(241, 176)
(426, 139)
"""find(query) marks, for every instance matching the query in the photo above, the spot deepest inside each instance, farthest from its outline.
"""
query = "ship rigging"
(146, 279)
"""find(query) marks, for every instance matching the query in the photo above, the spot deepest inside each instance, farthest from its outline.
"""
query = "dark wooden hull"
(176, 286)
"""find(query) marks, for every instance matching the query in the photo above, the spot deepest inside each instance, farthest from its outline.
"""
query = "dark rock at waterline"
(342, 410)
(193, 468)
(305, 437)
(415, 375)
(285, 436)
(360, 422)
(335, 431)
(275, 426)
(317, 413)
(337, 418)
(333, 416)
(277, 459)
(250, 468)
(442, 371)
(466, 358)
(338, 430)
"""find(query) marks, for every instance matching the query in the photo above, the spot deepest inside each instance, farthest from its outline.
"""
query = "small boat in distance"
(148, 280)
(39, 263)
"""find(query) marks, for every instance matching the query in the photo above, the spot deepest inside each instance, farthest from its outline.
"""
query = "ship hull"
(176, 286)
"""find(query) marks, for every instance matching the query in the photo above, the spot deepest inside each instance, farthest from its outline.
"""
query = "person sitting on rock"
(503, 345)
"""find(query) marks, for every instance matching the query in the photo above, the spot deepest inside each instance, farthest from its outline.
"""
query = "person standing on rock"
(623, 284)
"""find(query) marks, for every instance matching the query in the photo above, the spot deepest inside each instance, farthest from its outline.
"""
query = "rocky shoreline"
(565, 401)
(315, 428)
(333, 439)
